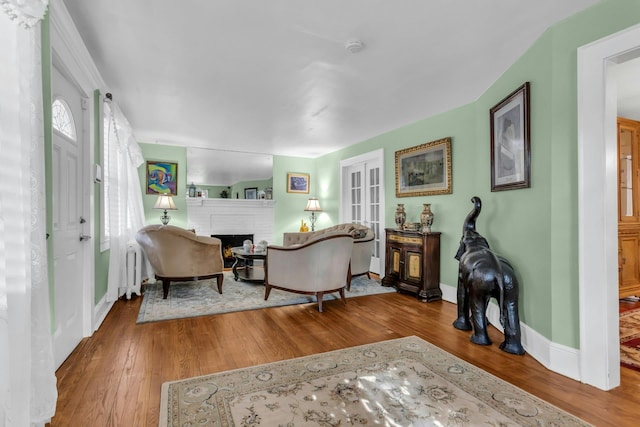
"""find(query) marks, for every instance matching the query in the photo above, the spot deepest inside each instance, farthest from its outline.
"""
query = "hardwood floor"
(114, 377)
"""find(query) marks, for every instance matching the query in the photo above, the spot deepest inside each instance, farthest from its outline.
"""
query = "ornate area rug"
(190, 299)
(630, 339)
(401, 382)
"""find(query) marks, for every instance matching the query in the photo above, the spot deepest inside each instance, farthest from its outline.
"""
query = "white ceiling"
(274, 76)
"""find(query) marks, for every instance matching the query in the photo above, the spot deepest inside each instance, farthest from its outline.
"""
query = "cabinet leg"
(388, 281)
(430, 295)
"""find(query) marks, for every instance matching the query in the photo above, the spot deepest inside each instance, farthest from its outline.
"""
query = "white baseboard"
(555, 357)
(100, 312)
(449, 294)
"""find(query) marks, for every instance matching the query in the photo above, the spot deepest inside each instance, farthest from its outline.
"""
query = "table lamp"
(313, 206)
(165, 202)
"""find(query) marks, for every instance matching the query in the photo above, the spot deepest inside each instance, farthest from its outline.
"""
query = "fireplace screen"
(231, 241)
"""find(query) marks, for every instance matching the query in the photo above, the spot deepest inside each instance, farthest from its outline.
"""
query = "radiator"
(133, 269)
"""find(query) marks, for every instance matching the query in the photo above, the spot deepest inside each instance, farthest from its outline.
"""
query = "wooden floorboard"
(114, 377)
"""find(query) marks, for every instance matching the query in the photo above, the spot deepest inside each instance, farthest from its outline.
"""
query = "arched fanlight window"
(62, 119)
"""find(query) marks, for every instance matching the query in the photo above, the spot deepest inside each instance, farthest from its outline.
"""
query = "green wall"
(289, 207)
(536, 228)
(169, 153)
(606, 18)
(449, 210)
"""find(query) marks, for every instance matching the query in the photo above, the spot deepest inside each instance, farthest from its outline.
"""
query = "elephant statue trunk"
(482, 275)
(470, 220)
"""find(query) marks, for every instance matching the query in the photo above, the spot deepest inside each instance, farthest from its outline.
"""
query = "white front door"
(68, 262)
(362, 198)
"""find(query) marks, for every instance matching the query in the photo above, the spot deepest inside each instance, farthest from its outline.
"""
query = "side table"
(243, 268)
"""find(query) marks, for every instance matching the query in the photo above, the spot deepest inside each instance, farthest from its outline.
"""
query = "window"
(63, 119)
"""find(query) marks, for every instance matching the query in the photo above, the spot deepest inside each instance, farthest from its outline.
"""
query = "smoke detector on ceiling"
(354, 46)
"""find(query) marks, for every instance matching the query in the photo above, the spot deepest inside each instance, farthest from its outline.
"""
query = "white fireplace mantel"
(231, 216)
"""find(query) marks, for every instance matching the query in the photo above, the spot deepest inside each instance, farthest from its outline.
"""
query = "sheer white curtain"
(126, 212)
(27, 374)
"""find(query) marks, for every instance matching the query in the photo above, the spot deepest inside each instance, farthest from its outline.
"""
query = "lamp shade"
(313, 205)
(165, 201)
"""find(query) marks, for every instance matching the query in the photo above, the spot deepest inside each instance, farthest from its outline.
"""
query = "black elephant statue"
(482, 274)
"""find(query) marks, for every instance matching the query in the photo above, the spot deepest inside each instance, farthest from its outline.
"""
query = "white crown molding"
(69, 51)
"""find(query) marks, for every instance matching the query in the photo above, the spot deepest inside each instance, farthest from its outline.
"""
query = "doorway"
(597, 206)
(362, 198)
(69, 217)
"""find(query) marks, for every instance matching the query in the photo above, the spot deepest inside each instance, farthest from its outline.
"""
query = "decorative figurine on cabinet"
(482, 274)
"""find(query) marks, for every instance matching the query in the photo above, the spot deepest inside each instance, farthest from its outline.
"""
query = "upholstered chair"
(179, 255)
(317, 267)
(363, 245)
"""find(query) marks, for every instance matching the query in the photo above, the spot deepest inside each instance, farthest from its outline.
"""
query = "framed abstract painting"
(162, 178)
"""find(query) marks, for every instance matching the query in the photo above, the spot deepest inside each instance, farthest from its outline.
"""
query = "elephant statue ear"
(470, 221)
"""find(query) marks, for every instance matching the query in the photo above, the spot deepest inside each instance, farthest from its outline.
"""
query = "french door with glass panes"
(362, 198)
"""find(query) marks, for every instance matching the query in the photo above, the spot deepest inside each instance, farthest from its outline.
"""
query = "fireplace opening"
(231, 241)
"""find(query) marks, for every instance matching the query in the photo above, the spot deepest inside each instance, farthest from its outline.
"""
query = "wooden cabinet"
(413, 263)
(628, 207)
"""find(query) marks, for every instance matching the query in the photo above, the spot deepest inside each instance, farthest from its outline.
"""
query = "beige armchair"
(363, 245)
(316, 267)
(177, 254)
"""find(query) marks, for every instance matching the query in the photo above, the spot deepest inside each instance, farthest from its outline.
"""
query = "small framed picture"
(298, 183)
(510, 145)
(424, 170)
(162, 178)
(251, 193)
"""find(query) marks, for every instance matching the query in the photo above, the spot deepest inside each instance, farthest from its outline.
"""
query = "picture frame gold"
(510, 141)
(298, 183)
(424, 170)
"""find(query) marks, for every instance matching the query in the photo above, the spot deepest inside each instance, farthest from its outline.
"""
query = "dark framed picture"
(162, 178)
(251, 193)
(424, 170)
(510, 144)
(297, 182)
